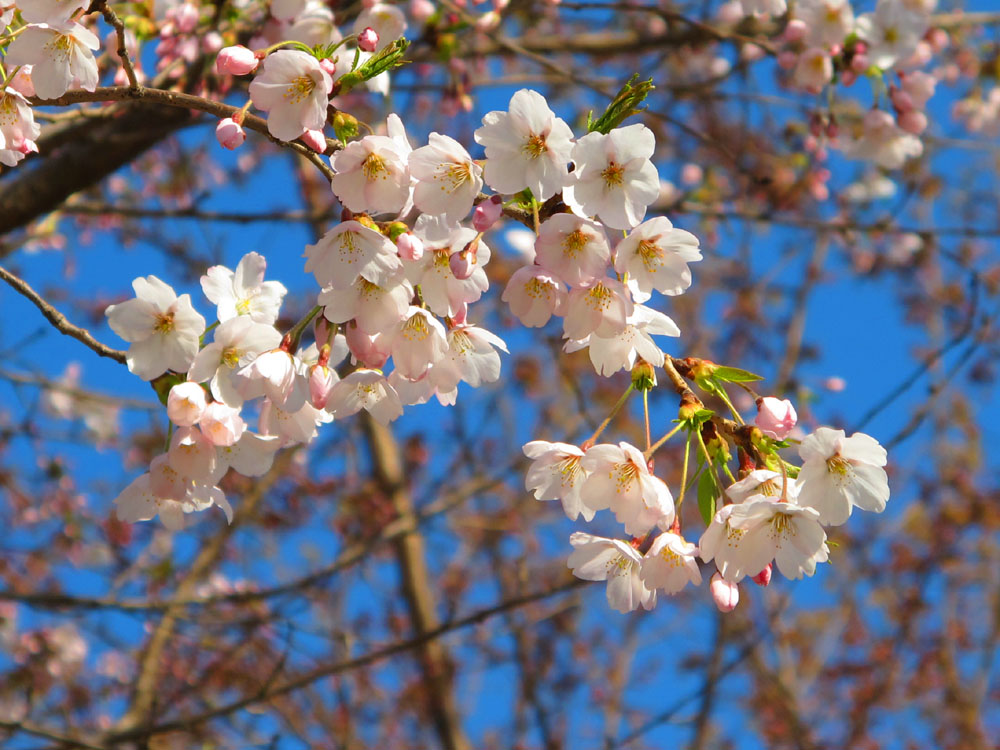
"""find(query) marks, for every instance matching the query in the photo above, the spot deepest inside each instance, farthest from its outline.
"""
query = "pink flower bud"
(237, 61)
(461, 315)
(860, 47)
(775, 417)
(902, 101)
(692, 174)
(230, 133)
(186, 17)
(315, 140)
(321, 382)
(725, 594)
(421, 10)
(368, 40)
(409, 246)
(487, 213)
(321, 331)
(462, 264)
(835, 384)
(938, 39)
(860, 63)
(796, 30)
(212, 42)
(787, 59)
(764, 577)
(913, 122)
(329, 66)
(185, 404)
(222, 424)
(371, 351)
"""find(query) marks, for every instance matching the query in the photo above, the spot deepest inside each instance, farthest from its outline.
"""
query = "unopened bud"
(321, 382)
(230, 133)
(902, 101)
(913, 122)
(487, 213)
(725, 594)
(796, 30)
(237, 61)
(690, 405)
(395, 229)
(186, 403)
(368, 40)
(315, 140)
(330, 66)
(764, 577)
(643, 376)
(775, 417)
(409, 246)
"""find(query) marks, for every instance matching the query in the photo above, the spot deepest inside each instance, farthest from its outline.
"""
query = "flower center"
(570, 470)
(164, 323)
(8, 110)
(231, 357)
(626, 474)
(650, 253)
(299, 88)
(768, 488)
(415, 329)
(613, 174)
(619, 566)
(374, 166)
(600, 297)
(534, 146)
(671, 558)
(454, 175)
(781, 524)
(538, 289)
(574, 243)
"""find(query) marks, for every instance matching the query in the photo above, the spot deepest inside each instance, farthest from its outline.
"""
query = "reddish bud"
(775, 417)
(315, 140)
(237, 61)
(487, 213)
(368, 40)
(764, 577)
(230, 133)
(409, 246)
(725, 594)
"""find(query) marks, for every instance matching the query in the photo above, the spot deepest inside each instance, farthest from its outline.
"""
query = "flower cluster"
(772, 516)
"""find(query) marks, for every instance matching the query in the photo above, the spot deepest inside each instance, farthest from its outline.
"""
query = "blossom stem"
(653, 448)
(721, 393)
(205, 333)
(645, 411)
(286, 43)
(293, 336)
(614, 410)
(684, 469)
(534, 213)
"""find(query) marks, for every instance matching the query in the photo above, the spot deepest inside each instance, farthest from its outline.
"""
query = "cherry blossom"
(614, 178)
(447, 180)
(186, 403)
(237, 342)
(609, 354)
(279, 375)
(49, 11)
(350, 250)
(619, 479)
(293, 89)
(368, 390)
(775, 417)
(828, 22)
(601, 308)
(534, 295)
(418, 342)
(471, 357)
(670, 564)
(573, 249)
(892, 32)
(596, 558)
(881, 141)
(372, 175)
(839, 473)
(655, 255)
(244, 292)
(162, 328)
(60, 54)
(556, 473)
(526, 147)
(372, 307)
(443, 293)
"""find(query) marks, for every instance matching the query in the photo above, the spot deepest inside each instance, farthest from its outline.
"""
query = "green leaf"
(735, 375)
(707, 493)
(625, 104)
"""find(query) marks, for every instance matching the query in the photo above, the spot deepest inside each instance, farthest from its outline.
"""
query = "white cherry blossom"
(350, 250)
(293, 89)
(252, 455)
(526, 147)
(670, 564)
(291, 427)
(444, 294)
(237, 342)
(609, 354)
(556, 473)
(892, 32)
(471, 357)
(162, 328)
(574, 249)
(375, 309)
(61, 57)
(596, 558)
(534, 295)
(882, 141)
(619, 479)
(372, 175)
(828, 22)
(839, 473)
(49, 11)
(601, 308)
(614, 177)
(388, 21)
(244, 292)
(277, 374)
(447, 179)
(656, 255)
(418, 342)
(368, 390)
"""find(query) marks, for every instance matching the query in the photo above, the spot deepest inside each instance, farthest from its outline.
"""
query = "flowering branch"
(59, 320)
